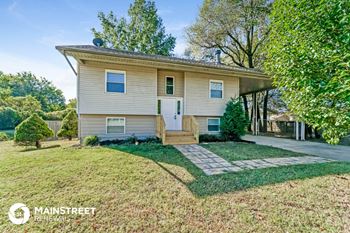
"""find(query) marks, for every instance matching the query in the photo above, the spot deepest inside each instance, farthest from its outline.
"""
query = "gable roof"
(251, 80)
(137, 55)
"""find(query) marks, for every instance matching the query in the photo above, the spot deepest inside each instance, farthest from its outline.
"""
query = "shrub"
(131, 140)
(9, 118)
(3, 136)
(91, 141)
(69, 126)
(32, 130)
(211, 138)
(234, 121)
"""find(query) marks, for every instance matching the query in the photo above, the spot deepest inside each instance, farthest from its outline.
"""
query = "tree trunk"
(37, 144)
(266, 97)
(246, 110)
(70, 138)
(258, 118)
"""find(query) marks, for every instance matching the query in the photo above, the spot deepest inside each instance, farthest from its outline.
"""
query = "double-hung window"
(115, 81)
(213, 124)
(169, 85)
(116, 125)
(216, 88)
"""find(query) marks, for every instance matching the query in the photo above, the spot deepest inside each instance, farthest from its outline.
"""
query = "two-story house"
(121, 94)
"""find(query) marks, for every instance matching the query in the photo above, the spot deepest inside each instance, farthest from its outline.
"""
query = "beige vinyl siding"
(203, 124)
(141, 126)
(139, 99)
(178, 81)
(197, 101)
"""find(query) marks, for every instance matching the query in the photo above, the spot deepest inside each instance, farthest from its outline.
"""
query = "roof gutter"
(70, 64)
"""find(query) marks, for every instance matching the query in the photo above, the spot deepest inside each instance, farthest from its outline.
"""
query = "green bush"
(9, 118)
(69, 126)
(211, 138)
(91, 141)
(131, 140)
(234, 121)
(3, 136)
(32, 130)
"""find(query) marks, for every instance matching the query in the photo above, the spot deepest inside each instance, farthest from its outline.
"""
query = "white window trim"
(165, 78)
(115, 118)
(217, 81)
(213, 118)
(117, 72)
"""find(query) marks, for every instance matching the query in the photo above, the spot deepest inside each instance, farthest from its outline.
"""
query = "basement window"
(115, 125)
(213, 124)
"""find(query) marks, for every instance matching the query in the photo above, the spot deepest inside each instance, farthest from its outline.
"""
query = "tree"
(32, 130)
(143, 32)
(26, 83)
(239, 28)
(72, 103)
(9, 118)
(234, 121)
(308, 57)
(69, 126)
(24, 106)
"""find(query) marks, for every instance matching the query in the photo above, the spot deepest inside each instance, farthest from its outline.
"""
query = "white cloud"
(60, 74)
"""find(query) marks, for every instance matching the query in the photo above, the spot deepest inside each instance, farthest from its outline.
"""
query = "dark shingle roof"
(122, 53)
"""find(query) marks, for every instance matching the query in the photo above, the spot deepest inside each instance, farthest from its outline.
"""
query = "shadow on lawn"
(27, 149)
(204, 185)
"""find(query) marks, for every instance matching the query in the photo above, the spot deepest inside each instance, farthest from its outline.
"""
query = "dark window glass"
(216, 89)
(178, 107)
(213, 124)
(115, 82)
(159, 108)
(169, 86)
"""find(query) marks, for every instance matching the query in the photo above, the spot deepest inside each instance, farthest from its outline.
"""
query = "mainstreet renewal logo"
(49, 214)
(24, 216)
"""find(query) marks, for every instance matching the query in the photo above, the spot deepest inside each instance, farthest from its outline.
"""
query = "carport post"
(255, 107)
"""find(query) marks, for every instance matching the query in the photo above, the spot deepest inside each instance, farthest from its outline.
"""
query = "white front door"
(171, 109)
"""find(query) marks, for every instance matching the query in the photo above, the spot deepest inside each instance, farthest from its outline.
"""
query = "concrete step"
(178, 133)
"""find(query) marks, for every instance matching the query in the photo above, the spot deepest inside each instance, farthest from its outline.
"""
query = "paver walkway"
(336, 152)
(212, 164)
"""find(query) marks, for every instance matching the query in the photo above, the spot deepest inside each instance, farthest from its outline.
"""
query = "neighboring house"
(121, 94)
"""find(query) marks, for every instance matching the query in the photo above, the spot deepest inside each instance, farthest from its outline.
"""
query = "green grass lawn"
(153, 188)
(233, 151)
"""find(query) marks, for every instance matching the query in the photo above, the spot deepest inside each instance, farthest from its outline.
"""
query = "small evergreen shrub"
(91, 141)
(3, 136)
(234, 121)
(9, 118)
(32, 130)
(69, 126)
(211, 138)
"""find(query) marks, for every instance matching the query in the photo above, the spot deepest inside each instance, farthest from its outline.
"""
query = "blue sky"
(31, 29)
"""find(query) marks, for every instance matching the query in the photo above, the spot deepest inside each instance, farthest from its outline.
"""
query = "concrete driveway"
(324, 150)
